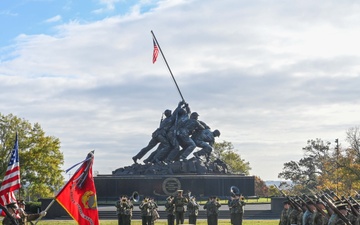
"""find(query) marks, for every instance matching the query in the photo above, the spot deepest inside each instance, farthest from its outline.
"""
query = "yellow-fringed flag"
(78, 196)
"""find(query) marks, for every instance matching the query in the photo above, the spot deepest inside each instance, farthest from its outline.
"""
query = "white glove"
(43, 213)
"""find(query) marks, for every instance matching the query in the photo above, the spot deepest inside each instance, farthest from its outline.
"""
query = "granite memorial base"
(109, 187)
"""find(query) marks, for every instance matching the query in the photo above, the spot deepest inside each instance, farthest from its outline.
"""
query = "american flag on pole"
(155, 52)
(11, 181)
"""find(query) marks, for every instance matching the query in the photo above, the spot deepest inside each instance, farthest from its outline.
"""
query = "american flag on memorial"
(155, 52)
(11, 181)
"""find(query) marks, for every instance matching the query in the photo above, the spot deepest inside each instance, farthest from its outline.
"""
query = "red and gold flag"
(78, 196)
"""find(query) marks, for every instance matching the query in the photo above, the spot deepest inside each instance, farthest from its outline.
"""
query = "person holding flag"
(25, 217)
(12, 217)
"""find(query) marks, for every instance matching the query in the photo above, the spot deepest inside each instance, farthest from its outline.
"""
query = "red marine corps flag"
(78, 196)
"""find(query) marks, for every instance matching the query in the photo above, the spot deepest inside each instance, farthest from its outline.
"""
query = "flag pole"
(47, 208)
(54, 199)
(168, 66)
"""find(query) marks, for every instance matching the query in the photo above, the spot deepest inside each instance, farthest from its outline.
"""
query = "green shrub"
(33, 207)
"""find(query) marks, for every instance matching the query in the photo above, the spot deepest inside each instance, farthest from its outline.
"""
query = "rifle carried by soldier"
(345, 200)
(352, 208)
(333, 207)
(292, 201)
(320, 210)
(354, 201)
(318, 198)
(305, 204)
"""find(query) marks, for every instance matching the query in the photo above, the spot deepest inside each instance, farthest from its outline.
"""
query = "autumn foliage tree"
(322, 167)
(40, 156)
(260, 187)
(225, 151)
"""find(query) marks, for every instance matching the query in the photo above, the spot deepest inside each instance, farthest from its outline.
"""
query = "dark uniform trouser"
(126, 219)
(146, 220)
(236, 218)
(179, 217)
(212, 219)
(171, 219)
(192, 219)
(120, 219)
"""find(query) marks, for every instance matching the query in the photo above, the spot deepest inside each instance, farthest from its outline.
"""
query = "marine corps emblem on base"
(171, 185)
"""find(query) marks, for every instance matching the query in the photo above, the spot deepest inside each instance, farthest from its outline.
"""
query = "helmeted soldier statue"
(205, 139)
(158, 136)
(186, 129)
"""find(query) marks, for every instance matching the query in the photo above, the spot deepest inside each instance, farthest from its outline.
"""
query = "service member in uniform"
(294, 214)
(212, 210)
(27, 218)
(318, 218)
(170, 209)
(335, 219)
(179, 201)
(308, 214)
(153, 209)
(146, 213)
(284, 213)
(11, 217)
(193, 210)
(236, 206)
(119, 209)
(354, 219)
(301, 214)
(125, 210)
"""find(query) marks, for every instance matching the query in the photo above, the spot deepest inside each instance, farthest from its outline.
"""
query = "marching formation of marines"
(325, 208)
(179, 133)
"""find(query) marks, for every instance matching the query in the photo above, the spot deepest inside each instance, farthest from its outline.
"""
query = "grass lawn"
(160, 222)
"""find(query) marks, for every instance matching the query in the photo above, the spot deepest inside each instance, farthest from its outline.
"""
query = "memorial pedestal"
(109, 187)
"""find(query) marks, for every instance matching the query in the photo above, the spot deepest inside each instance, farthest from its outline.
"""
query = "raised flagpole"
(88, 157)
(11, 181)
(157, 43)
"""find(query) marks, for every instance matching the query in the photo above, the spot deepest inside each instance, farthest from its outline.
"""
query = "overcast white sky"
(269, 74)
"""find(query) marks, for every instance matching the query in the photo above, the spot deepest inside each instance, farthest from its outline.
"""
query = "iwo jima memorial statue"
(181, 160)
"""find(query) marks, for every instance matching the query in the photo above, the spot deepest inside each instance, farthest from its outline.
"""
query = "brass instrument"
(234, 191)
(190, 197)
(123, 199)
(144, 202)
(192, 200)
(135, 196)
